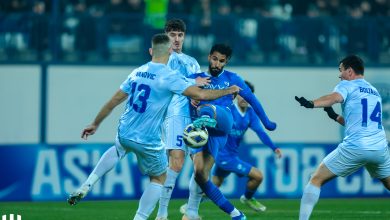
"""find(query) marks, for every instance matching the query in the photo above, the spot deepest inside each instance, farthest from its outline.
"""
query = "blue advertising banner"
(51, 172)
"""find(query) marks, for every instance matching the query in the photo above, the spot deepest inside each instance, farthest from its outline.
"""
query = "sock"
(148, 200)
(216, 196)
(310, 197)
(108, 161)
(166, 193)
(249, 193)
(194, 199)
(208, 110)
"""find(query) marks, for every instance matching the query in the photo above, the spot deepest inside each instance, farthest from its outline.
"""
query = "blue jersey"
(226, 79)
(186, 66)
(362, 112)
(150, 89)
(243, 121)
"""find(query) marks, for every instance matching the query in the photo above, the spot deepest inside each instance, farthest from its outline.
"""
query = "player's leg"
(108, 161)
(386, 182)
(311, 192)
(190, 210)
(255, 178)
(379, 165)
(203, 162)
(174, 127)
(196, 194)
(154, 164)
(150, 197)
(334, 164)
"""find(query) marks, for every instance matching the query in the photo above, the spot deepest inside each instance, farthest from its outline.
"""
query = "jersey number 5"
(375, 116)
(142, 93)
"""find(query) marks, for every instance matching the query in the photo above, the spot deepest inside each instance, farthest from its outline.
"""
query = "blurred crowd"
(315, 29)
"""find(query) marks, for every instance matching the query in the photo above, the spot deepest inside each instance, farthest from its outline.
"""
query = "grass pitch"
(326, 209)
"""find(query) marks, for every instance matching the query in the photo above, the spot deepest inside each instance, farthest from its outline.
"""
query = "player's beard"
(214, 71)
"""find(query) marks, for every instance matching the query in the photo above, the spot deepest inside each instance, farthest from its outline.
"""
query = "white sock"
(166, 193)
(310, 197)
(235, 213)
(108, 161)
(194, 198)
(148, 200)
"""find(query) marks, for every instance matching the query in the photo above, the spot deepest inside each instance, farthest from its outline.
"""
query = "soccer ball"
(195, 137)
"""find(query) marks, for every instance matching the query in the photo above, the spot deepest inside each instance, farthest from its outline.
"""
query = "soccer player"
(217, 116)
(178, 115)
(364, 144)
(228, 161)
(148, 91)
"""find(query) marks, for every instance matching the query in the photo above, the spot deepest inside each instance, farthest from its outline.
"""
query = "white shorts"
(344, 161)
(174, 127)
(151, 162)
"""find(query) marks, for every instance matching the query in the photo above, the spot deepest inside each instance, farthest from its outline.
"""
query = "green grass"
(326, 209)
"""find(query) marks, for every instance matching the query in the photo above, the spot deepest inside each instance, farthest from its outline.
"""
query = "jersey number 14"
(375, 116)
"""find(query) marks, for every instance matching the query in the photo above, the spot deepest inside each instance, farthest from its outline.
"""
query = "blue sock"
(216, 196)
(249, 193)
(207, 110)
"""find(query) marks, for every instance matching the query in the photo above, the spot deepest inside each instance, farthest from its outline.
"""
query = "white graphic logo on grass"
(11, 217)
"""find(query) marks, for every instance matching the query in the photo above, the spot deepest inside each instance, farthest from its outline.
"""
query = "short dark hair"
(160, 45)
(161, 38)
(223, 49)
(250, 85)
(175, 24)
(355, 62)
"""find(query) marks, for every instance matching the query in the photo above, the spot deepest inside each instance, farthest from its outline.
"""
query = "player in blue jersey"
(148, 91)
(178, 115)
(364, 144)
(217, 116)
(228, 161)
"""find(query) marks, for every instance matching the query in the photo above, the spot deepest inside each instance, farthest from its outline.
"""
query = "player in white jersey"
(364, 144)
(148, 91)
(178, 115)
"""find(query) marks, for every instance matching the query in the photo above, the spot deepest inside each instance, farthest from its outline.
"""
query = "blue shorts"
(150, 161)
(224, 166)
(218, 135)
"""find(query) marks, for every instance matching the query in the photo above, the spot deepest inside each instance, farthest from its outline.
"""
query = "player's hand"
(304, 102)
(331, 113)
(270, 126)
(202, 81)
(195, 103)
(89, 130)
(234, 90)
(278, 153)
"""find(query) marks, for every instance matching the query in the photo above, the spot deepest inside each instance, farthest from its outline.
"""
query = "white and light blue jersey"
(186, 66)
(150, 89)
(362, 112)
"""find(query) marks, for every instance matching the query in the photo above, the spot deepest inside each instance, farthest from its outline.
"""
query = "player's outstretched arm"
(197, 93)
(118, 98)
(324, 101)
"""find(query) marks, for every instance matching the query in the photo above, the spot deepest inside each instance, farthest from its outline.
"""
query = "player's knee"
(176, 162)
(316, 180)
(256, 175)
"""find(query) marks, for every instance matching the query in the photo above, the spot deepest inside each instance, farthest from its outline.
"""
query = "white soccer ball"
(195, 137)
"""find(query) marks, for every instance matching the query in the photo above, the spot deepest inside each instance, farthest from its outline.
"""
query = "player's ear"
(150, 51)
